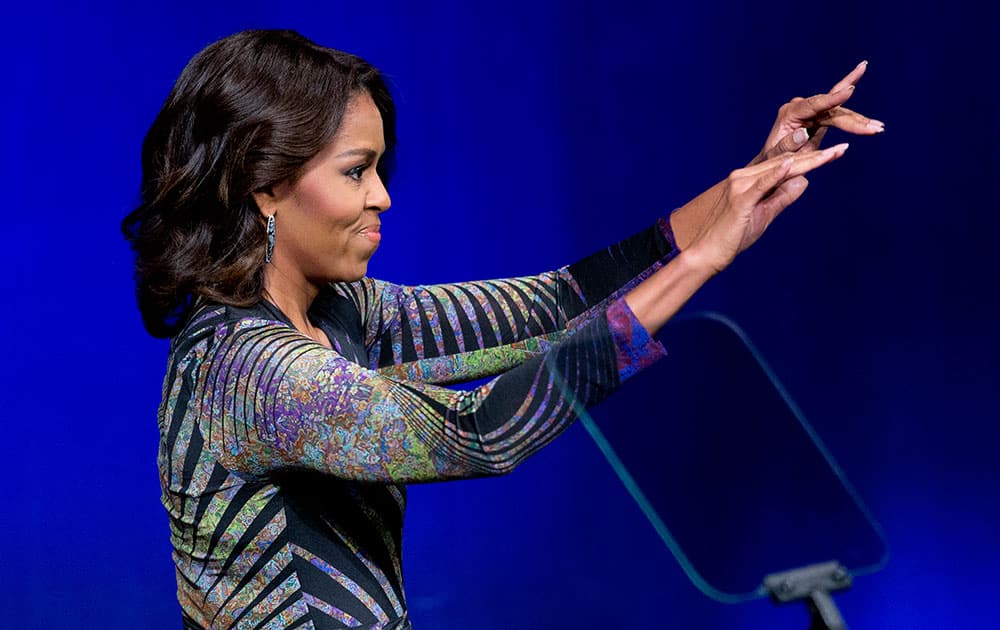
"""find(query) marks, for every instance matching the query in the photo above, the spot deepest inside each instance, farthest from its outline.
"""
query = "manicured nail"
(838, 148)
(863, 63)
(800, 136)
(876, 125)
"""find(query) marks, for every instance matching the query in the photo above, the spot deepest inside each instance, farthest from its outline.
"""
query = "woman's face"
(327, 222)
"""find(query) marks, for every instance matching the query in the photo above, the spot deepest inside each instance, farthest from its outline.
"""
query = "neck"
(292, 294)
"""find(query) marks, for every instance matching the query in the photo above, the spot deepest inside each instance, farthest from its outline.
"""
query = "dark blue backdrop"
(531, 135)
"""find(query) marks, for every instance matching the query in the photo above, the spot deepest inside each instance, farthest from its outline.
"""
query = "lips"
(371, 232)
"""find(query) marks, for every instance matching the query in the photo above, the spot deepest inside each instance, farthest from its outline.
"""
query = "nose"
(378, 196)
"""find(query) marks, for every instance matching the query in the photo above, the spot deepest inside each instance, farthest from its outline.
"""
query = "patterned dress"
(283, 464)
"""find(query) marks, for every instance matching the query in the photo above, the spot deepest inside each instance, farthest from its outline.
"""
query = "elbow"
(501, 469)
(503, 462)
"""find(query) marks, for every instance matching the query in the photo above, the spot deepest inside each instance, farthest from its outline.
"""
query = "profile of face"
(327, 222)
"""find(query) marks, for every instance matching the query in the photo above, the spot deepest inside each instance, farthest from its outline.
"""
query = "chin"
(352, 275)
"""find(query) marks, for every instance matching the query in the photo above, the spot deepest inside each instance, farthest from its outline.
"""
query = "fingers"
(851, 122)
(761, 180)
(852, 77)
(784, 196)
(789, 143)
(827, 109)
(799, 163)
(820, 107)
(771, 176)
(817, 138)
(816, 105)
(803, 109)
(802, 163)
(795, 141)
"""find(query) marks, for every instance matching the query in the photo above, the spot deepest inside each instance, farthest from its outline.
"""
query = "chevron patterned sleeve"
(453, 332)
(267, 398)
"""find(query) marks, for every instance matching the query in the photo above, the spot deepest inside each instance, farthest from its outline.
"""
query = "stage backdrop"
(531, 134)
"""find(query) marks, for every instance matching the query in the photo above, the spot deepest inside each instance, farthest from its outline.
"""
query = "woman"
(301, 396)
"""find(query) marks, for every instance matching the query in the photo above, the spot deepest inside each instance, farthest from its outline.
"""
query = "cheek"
(330, 205)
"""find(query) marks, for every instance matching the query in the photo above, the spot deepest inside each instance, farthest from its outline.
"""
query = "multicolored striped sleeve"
(268, 398)
(448, 332)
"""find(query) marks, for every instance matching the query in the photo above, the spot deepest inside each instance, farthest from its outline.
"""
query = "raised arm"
(267, 398)
(523, 315)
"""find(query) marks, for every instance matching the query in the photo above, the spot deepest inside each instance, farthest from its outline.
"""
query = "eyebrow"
(369, 153)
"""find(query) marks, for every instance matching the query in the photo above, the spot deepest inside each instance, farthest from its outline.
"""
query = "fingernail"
(838, 148)
(800, 136)
(863, 63)
(876, 125)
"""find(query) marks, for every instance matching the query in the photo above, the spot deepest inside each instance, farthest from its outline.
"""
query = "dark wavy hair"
(246, 113)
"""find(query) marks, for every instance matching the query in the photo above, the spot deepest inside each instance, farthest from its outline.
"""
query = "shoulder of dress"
(212, 322)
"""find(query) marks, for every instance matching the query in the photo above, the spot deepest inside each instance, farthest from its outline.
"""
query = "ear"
(265, 200)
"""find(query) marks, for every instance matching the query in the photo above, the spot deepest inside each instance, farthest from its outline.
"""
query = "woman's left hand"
(802, 122)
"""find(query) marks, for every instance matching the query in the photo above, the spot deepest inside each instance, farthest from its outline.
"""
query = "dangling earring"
(269, 249)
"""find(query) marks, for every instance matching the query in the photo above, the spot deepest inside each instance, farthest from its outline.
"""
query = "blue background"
(531, 135)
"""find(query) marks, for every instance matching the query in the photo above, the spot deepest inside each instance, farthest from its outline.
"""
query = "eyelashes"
(357, 172)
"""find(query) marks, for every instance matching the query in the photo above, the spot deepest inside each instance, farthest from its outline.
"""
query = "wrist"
(688, 221)
(657, 298)
(700, 261)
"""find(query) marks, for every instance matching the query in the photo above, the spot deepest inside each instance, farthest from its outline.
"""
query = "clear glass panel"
(730, 474)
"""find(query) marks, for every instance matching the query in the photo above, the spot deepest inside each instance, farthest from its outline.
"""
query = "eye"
(357, 172)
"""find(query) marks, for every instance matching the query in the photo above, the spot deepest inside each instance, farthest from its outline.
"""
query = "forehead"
(361, 126)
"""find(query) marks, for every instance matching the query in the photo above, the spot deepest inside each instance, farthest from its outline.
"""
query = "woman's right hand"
(749, 200)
